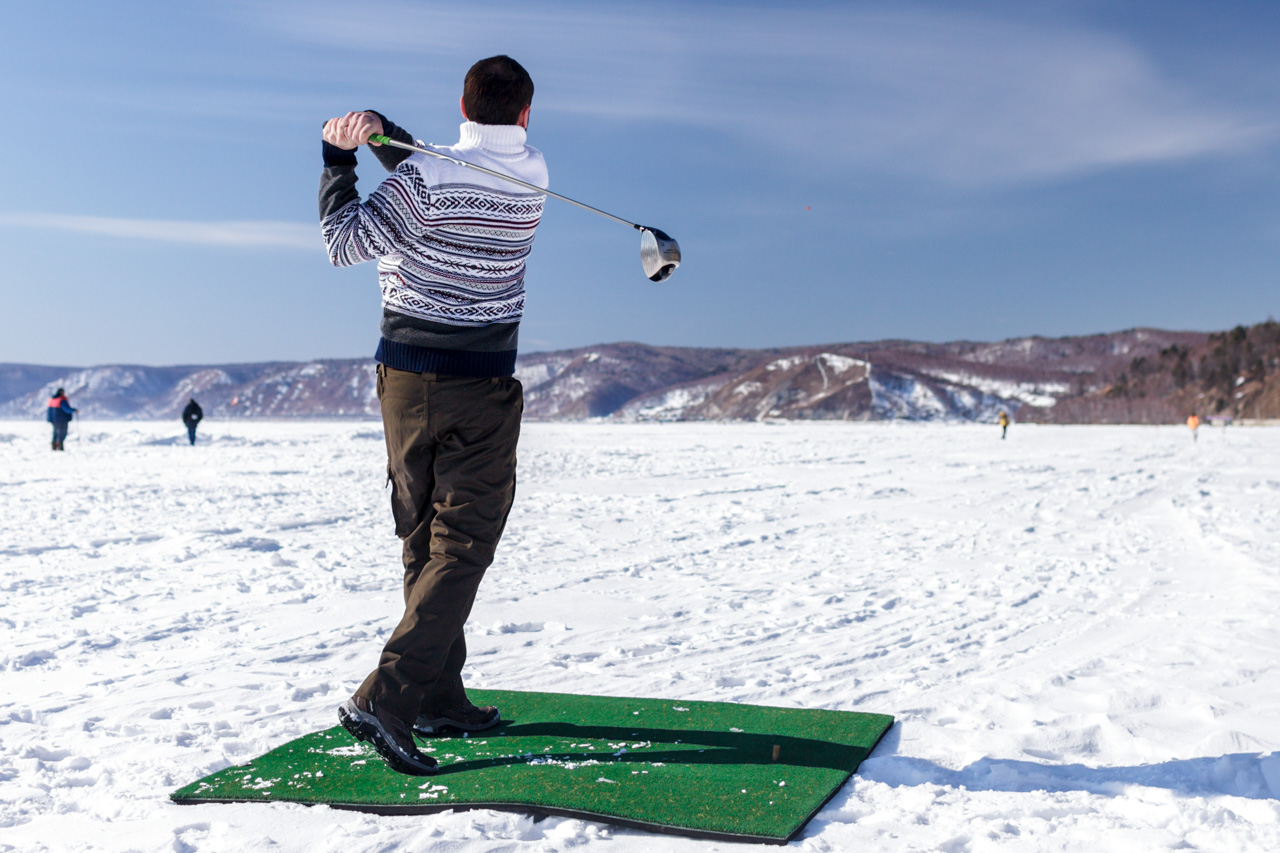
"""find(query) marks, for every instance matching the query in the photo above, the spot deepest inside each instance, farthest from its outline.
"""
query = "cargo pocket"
(403, 507)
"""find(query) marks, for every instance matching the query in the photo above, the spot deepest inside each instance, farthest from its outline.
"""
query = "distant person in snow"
(450, 245)
(1004, 425)
(1193, 424)
(191, 416)
(59, 414)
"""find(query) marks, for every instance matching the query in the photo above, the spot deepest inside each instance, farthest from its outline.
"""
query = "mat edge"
(522, 808)
(892, 719)
(804, 823)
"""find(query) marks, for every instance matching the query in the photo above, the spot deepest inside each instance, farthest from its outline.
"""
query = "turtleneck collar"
(498, 138)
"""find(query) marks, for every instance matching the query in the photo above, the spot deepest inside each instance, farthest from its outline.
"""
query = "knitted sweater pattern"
(450, 243)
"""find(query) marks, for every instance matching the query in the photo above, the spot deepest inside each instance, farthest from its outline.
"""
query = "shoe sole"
(363, 730)
(433, 727)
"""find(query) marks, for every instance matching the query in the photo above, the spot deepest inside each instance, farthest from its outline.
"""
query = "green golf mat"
(702, 769)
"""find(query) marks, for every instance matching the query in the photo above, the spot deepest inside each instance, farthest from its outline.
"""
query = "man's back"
(451, 245)
(59, 410)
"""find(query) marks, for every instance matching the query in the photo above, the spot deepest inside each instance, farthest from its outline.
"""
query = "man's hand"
(351, 130)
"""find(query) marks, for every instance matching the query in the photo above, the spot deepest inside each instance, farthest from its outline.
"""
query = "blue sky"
(833, 172)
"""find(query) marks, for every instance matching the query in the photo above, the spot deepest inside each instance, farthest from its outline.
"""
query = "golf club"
(659, 253)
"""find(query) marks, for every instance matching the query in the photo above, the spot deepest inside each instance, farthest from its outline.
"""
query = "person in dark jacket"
(59, 413)
(191, 416)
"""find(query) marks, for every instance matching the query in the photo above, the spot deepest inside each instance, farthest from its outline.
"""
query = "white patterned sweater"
(450, 242)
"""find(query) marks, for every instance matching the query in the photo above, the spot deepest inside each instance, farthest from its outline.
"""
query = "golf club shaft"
(386, 140)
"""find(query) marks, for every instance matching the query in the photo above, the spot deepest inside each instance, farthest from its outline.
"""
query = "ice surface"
(1076, 627)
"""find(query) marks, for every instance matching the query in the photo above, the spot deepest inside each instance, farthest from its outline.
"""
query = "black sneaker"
(467, 718)
(390, 737)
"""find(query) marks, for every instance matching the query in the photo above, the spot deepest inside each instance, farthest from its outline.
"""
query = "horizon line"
(878, 341)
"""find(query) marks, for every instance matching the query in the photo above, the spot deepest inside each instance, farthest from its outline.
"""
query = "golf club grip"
(386, 140)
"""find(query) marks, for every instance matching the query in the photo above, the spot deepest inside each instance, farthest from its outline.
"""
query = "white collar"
(498, 138)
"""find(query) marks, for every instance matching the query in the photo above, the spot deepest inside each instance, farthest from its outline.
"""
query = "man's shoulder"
(536, 154)
(538, 166)
(531, 167)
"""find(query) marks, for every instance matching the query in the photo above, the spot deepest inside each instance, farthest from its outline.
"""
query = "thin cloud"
(959, 99)
(245, 234)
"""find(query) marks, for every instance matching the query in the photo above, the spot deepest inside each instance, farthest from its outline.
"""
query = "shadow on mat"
(722, 747)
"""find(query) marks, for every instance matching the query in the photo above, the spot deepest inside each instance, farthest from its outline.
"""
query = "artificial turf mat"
(705, 769)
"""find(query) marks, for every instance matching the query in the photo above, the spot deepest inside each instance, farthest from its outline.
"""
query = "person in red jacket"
(59, 413)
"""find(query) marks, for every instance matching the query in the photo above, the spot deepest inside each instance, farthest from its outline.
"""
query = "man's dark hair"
(496, 90)
(60, 393)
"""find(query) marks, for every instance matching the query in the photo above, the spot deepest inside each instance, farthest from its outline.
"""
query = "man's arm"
(341, 137)
(353, 231)
(340, 209)
(388, 156)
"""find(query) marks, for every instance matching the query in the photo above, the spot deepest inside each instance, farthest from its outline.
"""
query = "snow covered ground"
(1077, 628)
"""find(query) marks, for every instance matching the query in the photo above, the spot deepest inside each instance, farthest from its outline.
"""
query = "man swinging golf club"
(451, 244)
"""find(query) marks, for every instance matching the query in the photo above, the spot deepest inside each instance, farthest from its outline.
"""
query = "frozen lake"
(1076, 628)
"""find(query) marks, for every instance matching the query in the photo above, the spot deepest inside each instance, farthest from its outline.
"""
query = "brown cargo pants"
(451, 461)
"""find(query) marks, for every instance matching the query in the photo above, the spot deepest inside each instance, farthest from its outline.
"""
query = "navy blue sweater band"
(445, 362)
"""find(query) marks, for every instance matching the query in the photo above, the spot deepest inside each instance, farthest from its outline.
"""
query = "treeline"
(1234, 374)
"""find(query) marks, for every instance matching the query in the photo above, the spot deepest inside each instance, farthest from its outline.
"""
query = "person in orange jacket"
(1004, 425)
(1193, 424)
(59, 413)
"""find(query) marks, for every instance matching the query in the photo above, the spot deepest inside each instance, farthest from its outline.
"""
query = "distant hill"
(1133, 376)
(1232, 374)
(318, 389)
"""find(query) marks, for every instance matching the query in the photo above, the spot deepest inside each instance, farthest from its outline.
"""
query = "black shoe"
(390, 737)
(467, 718)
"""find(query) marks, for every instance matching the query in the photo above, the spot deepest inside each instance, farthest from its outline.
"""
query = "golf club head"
(659, 254)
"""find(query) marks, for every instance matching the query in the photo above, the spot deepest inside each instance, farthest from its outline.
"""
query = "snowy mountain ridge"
(883, 380)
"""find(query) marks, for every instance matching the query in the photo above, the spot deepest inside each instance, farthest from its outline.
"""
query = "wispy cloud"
(956, 98)
(262, 234)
